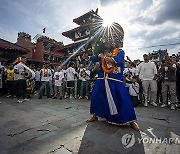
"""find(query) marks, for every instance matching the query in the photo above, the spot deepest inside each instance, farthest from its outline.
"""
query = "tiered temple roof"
(87, 17)
(81, 33)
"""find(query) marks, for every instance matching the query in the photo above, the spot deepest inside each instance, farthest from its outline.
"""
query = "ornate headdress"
(111, 36)
(114, 34)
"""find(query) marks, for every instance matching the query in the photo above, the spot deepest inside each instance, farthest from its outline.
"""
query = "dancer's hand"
(109, 59)
(101, 55)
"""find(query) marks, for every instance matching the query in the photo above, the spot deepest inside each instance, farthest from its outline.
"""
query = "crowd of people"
(155, 83)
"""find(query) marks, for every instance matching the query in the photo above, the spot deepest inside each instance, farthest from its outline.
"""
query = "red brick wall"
(38, 53)
(26, 43)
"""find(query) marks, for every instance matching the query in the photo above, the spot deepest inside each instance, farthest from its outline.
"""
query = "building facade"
(45, 50)
(10, 51)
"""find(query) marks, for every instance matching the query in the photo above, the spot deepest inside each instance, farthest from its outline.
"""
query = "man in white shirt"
(85, 85)
(70, 72)
(19, 71)
(37, 79)
(80, 69)
(45, 76)
(58, 81)
(148, 74)
(51, 80)
(64, 89)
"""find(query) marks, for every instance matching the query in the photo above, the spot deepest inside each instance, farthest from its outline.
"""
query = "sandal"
(94, 118)
(135, 126)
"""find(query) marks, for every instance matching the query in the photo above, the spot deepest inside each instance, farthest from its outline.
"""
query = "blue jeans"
(44, 84)
(85, 85)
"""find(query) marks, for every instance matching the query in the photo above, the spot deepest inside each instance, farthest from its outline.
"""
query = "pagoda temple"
(81, 34)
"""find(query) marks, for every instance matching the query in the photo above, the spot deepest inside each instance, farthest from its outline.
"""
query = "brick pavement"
(51, 126)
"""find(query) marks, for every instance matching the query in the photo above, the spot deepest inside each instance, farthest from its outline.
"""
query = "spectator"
(81, 68)
(37, 79)
(134, 91)
(10, 80)
(58, 81)
(21, 82)
(51, 80)
(148, 74)
(29, 88)
(85, 85)
(45, 76)
(64, 93)
(70, 79)
(168, 71)
(178, 83)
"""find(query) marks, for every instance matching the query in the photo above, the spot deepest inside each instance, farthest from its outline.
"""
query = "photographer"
(168, 75)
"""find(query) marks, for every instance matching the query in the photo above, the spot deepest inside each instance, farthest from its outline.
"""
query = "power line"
(160, 45)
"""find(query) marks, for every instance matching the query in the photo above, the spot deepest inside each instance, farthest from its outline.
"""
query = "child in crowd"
(29, 88)
(10, 80)
(134, 91)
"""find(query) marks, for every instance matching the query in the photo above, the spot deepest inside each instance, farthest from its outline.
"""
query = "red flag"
(44, 29)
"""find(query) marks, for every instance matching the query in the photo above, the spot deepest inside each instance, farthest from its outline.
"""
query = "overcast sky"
(145, 22)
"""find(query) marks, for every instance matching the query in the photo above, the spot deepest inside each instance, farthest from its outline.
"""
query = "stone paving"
(49, 126)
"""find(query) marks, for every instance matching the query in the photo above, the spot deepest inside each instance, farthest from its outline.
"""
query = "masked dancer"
(110, 98)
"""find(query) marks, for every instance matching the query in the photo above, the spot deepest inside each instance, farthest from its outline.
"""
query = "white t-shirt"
(19, 67)
(65, 76)
(70, 72)
(80, 73)
(87, 74)
(45, 74)
(147, 71)
(37, 76)
(51, 76)
(130, 72)
(58, 76)
(133, 88)
(16, 76)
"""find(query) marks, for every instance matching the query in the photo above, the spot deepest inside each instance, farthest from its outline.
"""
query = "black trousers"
(134, 100)
(21, 88)
(15, 87)
(159, 91)
(37, 85)
(10, 86)
(78, 87)
(178, 90)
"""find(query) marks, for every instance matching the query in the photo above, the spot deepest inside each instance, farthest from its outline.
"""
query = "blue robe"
(99, 101)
